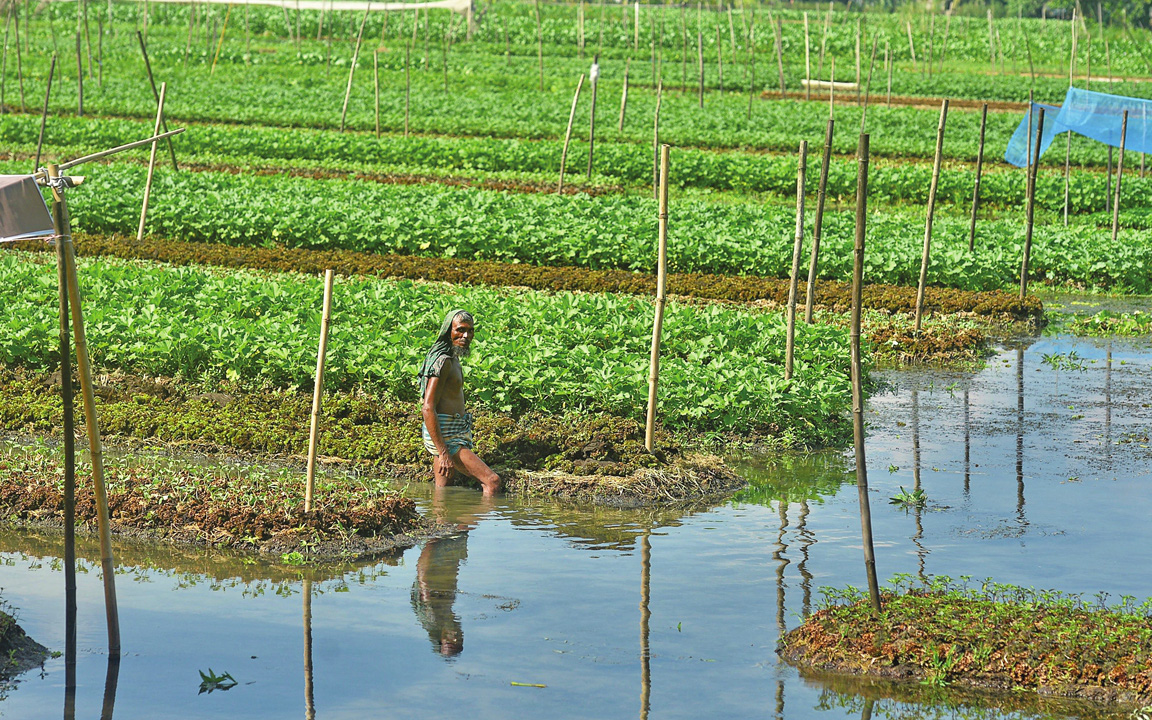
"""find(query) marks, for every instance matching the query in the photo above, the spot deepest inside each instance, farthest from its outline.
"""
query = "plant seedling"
(211, 681)
(917, 498)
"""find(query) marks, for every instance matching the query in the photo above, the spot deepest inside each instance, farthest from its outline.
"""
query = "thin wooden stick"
(1030, 208)
(976, 186)
(991, 42)
(155, 92)
(220, 40)
(857, 374)
(151, 164)
(911, 47)
(540, 44)
(859, 22)
(579, 30)
(376, 88)
(656, 141)
(69, 418)
(931, 212)
(944, 44)
(100, 52)
(624, 95)
(684, 50)
(1028, 46)
(752, 66)
(594, 77)
(118, 148)
(868, 87)
(931, 40)
(407, 84)
(719, 59)
(568, 134)
(4, 61)
(824, 40)
(1119, 177)
(658, 323)
(888, 64)
(352, 68)
(779, 52)
(797, 247)
(818, 221)
(79, 81)
(807, 60)
(700, 56)
(64, 229)
(87, 35)
(44, 114)
(318, 391)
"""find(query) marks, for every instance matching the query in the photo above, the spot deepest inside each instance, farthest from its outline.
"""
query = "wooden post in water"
(44, 114)
(155, 93)
(352, 69)
(568, 134)
(593, 77)
(857, 373)
(658, 324)
(797, 247)
(151, 164)
(624, 95)
(1030, 207)
(318, 391)
(69, 447)
(1119, 177)
(976, 187)
(821, 194)
(63, 228)
(931, 212)
(656, 141)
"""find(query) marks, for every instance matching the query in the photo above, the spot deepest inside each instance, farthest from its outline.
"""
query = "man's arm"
(442, 466)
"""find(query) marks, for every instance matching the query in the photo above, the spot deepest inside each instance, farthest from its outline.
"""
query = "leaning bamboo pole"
(220, 40)
(593, 77)
(1119, 177)
(155, 92)
(63, 228)
(931, 212)
(318, 391)
(1031, 202)
(797, 247)
(857, 373)
(976, 186)
(151, 165)
(818, 221)
(44, 114)
(69, 417)
(352, 68)
(568, 134)
(658, 322)
(624, 96)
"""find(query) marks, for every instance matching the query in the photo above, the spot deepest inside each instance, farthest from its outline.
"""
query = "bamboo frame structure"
(318, 391)
(931, 212)
(658, 321)
(797, 247)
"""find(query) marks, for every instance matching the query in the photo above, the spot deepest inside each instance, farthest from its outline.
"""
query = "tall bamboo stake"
(797, 247)
(976, 186)
(593, 77)
(991, 42)
(1028, 45)
(931, 213)
(752, 66)
(656, 141)
(4, 61)
(868, 86)
(63, 227)
(624, 95)
(857, 374)
(352, 68)
(568, 134)
(318, 391)
(719, 59)
(79, 81)
(44, 114)
(683, 50)
(151, 165)
(888, 64)
(807, 60)
(779, 53)
(540, 44)
(653, 49)
(824, 40)
(87, 35)
(100, 52)
(911, 47)
(700, 57)
(580, 30)
(69, 462)
(731, 32)
(944, 44)
(376, 88)
(1030, 207)
(155, 92)
(1119, 177)
(220, 40)
(931, 39)
(658, 323)
(1068, 141)
(818, 221)
(858, 24)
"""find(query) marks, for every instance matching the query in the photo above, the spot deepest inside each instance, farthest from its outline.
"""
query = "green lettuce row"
(721, 368)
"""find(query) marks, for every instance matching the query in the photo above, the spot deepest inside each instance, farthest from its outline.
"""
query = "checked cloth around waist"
(456, 429)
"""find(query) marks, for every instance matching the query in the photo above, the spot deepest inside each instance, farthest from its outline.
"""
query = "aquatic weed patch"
(996, 636)
(1107, 323)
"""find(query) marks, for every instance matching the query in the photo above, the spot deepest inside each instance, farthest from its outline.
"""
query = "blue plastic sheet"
(1092, 114)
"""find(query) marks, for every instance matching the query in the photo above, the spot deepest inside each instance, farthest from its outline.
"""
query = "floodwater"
(1034, 477)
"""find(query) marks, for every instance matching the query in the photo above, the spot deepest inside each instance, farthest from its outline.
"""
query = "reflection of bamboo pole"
(1030, 208)
(69, 486)
(309, 695)
(91, 424)
(817, 224)
(44, 114)
(645, 618)
(976, 187)
(151, 164)
(931, 213)
(318, 391)
(111, 680)
(794, 278)
(1119, 176)
(857, 370)
(568, 134)
(661, 273)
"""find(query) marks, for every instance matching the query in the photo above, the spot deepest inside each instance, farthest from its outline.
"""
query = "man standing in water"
(447, 427)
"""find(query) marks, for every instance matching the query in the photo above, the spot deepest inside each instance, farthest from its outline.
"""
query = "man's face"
(462, 333)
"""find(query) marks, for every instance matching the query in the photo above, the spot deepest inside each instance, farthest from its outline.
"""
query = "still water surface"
(1034, 477)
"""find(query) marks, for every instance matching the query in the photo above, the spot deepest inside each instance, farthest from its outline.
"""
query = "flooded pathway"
(1033, 476)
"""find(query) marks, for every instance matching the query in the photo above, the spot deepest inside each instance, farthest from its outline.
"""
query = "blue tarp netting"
(1091, 114)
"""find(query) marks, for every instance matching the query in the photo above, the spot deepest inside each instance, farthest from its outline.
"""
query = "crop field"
(424, 140)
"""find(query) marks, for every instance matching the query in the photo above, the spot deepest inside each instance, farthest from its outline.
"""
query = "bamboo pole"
(87, 35)
(652, 54)
(580, 30)
(407, 85)
(1119, 177)
(69, 418)
(155, 93)
(44, 114)
(976, 186)
(220, 40)
(593, 77)
(931, 212)
(683, 50)
(888, 64)
(191, 28)
(151, 165)
(719, 59)
(857, 374)
(19, 58)
(1030, 208)
(832, 88)
(1108, 183)
(658, 323)
(1028, 46)
(731, 31)
(352, 68)
(624, 96)
(656, 142)
(824, 40)
(797, 247)
(318, 391)
(100, 52)
(911, 47)
(79, 81)
(779, 51)
(4, 61)
(1068, 141)
(63, 227)
(636, 28)
(868, 87)
(376, 88)
(944, 44)
(859, 22)
(818, 221)
(540, 43)
(568, 134)
(931, 40)
(700, 57)
(991, 42)
(807, 60)
(752, 68)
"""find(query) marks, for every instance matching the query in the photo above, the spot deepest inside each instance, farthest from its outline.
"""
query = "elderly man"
(447, 424)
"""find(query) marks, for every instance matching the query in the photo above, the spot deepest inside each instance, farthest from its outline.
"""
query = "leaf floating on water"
(520, 684)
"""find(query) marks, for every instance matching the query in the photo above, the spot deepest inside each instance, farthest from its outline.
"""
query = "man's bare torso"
(450, 390)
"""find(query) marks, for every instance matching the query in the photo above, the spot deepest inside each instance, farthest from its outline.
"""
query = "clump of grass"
(942, 632)
(1105, 323)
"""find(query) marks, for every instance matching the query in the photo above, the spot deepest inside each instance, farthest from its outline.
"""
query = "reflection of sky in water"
(552, 594)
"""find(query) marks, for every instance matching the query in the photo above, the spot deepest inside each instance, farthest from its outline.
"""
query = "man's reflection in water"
(437, 571)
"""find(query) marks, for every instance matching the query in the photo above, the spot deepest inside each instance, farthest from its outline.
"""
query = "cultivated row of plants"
(625, 163)
(608, 232)
(721, 368)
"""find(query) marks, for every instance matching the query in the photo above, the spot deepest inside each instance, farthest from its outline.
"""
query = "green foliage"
(211, 681)
(1106, 323)
(917, 498)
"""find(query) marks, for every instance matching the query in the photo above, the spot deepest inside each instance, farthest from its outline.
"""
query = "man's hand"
(444, 467)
